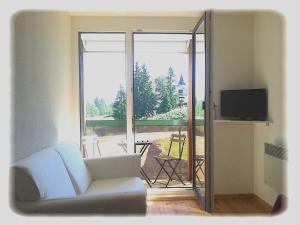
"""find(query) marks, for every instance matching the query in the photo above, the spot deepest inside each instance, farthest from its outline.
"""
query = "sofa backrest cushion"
(79, 173)
(42, 175)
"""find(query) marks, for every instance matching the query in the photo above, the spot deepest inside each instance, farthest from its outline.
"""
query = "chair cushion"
(79, 173)
(42, 175)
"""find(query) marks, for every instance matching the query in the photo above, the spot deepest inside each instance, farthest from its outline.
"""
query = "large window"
(160, 85)
(104, 94)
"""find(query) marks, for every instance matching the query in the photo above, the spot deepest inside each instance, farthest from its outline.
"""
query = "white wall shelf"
(267, 122)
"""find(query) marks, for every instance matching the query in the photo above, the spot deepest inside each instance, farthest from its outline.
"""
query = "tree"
(91, 110)
(144, 97)
(101, 105)
(165, 104)
(171, 87)
(97, 102)
(159, 89)
(159, 86)
(167, 95)
(199, 110)
(119, 105)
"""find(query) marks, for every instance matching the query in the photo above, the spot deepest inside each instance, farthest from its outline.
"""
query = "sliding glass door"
(200, 114)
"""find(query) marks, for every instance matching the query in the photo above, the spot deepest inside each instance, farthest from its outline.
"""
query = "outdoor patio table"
(145, 145)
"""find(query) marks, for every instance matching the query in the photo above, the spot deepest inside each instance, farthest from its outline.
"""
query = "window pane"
(104, 94)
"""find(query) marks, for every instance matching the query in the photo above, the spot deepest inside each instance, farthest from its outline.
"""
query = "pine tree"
(119, 105)
(167, 95)
(159, 86)
(159, 89)
(171, 87)
(144, 97)
(165, 104)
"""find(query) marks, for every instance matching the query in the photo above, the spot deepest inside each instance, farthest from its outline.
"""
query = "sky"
(103, 75)
(105, 72)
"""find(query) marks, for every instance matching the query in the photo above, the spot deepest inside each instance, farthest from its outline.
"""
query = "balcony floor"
(173, 184)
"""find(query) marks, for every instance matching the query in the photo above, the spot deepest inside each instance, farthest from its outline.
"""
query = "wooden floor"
(240, 206)
(223, 206)
(173, 207)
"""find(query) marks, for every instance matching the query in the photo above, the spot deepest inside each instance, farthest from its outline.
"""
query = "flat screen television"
(244, 104)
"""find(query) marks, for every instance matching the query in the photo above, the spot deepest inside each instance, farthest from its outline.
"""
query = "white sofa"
(58, 180)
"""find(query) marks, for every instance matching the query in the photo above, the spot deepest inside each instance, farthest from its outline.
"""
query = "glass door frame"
(207, 200)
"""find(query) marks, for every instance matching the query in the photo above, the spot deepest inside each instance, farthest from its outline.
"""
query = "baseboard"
(264, 203)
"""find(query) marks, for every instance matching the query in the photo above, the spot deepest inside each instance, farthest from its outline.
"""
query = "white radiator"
(275, 165)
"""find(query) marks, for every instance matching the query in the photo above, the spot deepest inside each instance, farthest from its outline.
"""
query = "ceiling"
(138, 13)
(170, 8)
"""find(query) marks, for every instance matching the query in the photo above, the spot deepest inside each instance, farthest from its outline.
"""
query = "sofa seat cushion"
(42, 175)
(123, 195)
(107, 196)
(117, 186)
(79, 173)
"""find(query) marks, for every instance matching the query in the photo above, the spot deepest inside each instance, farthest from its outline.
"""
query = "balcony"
(108, 138)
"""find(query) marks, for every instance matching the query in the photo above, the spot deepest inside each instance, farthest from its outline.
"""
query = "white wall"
(41, 81)
(248, 52)
(232, 69)
(269, 73)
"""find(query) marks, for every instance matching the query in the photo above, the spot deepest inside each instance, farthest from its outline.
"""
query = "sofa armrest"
(114, 167)
(82, 204)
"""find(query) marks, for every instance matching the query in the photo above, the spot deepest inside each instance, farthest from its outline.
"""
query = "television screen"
(245, 104)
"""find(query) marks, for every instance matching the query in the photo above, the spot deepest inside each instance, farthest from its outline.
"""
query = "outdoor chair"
(90, 139)
(144, 145)
(123, 145)
(167, 161)
(199, 161)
